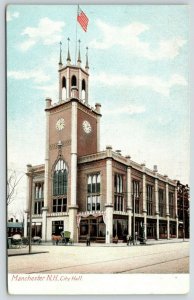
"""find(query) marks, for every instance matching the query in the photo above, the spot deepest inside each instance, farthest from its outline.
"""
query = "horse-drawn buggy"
(17, 241)
(64, 238)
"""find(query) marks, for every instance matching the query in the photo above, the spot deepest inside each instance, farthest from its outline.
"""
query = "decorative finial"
(60, 55)
(68, 54)
(79, 55)
(87, 65)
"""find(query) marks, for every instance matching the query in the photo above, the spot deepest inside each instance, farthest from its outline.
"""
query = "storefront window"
(57, 227)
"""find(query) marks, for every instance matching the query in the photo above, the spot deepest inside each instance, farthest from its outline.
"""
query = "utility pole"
(183, 195)
(30, 211)
(133, 218)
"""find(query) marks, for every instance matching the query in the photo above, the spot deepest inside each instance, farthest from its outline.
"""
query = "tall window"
(39, 190)
(161, 203)
(149, 200)
(83, 89)
(136, 196)
(60, 205)
(60, 187)
(38, 197)
(93, 192)
(73, 81)
(64, 88)
(171, 204)
(118, 193)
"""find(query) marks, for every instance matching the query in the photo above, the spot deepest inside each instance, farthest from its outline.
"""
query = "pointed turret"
(87, 64)
(68, 53)
(60, 56)
(79, 55)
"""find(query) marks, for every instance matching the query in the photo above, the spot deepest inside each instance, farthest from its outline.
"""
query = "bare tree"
(12, 182)
(18, 214)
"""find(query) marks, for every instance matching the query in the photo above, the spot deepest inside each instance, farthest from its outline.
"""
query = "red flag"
(82, 19)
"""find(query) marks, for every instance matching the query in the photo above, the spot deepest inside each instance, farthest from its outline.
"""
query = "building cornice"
(74, 68)
(81, 105)
(125, 161)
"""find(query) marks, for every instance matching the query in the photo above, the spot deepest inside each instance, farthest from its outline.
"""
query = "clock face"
(87, 127)
(60, 124)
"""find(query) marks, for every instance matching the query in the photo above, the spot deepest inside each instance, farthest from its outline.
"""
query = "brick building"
(183, 209)
(87, 191)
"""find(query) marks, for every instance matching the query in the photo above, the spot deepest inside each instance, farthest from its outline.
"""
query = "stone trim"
(55, 145)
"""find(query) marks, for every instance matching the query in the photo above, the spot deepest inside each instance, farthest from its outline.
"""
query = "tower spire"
(68, 53)
(79, 55)
(87, 65)
(60, 55)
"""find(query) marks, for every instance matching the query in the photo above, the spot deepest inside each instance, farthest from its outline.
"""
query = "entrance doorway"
(151, 230)
(57, 227)
(36, 229)
(94, 227)
(163, 230)
(120, 227)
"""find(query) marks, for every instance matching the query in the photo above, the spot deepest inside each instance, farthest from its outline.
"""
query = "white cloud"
(47, 32)
(129, 37)
(36, 75)
(50, 90)
(154, 83)
(12, 15)
(128, 109)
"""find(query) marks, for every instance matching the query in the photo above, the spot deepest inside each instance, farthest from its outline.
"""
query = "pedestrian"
(128, 237)
(88, 240)
(131, 240)
(136, 238)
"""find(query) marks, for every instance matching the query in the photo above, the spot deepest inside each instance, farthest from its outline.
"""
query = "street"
(152, 259)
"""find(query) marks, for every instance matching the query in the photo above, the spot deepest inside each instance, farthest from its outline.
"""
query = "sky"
(139, 61)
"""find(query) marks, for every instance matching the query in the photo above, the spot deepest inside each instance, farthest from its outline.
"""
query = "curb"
(32, 253)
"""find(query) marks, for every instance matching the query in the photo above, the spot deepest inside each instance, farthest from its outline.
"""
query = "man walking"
(87, 240)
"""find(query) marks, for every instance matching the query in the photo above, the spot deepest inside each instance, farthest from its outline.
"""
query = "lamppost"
(183, 190)
(134, 219)
(142, 236)
(30, 210)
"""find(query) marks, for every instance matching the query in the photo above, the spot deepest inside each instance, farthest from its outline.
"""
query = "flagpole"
(76, 35)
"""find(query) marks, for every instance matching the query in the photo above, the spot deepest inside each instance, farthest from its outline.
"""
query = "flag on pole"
(82, 19)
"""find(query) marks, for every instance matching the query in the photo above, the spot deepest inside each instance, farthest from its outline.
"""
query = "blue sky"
(138, 57)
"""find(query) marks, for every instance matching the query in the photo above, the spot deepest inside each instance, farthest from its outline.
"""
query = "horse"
(56, 239)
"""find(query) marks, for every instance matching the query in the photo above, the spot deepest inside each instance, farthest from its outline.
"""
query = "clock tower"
(72, 131)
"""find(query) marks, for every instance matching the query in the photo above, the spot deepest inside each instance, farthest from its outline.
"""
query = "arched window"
(118, 193)
(73, 81)
(93, 194)
(60, 187)
(63, 88)
(38, 201)
(63, 82)
(83, 85)
(36, 192)
(40, 192)
(60, 179)
(83, 89)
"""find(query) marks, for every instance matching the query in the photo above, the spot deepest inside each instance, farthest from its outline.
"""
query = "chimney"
(155, 168)
(98, 106)
(118, 152)
(48, 102)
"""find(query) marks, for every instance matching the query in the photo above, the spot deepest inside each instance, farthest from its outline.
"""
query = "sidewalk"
(38, 249)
